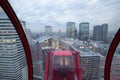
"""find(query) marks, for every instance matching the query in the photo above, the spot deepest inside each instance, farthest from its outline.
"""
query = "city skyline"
(60, 12)
(93, 49)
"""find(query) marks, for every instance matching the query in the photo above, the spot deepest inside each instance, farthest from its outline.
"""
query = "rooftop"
(87, 52)
(43, 38)
(68, 41)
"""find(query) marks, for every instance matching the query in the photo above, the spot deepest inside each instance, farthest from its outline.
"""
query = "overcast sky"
(56, 13)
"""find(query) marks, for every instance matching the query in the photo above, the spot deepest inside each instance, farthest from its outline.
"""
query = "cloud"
(39, 13)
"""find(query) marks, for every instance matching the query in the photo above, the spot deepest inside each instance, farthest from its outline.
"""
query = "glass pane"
(13, 65)
(62, 62)
(86, 26)
(115, 68)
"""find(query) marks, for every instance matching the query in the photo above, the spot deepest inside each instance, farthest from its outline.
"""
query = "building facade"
(100, 32)
(13, 64)
(48, 30)
(70, 30)
(97, 35)
(84, 31)
(89, 63)
(105, 32)
(28, 35)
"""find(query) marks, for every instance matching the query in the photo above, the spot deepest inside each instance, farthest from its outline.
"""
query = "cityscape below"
(92, 45)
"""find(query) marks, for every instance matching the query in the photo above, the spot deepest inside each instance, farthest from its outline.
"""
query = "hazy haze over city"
(56, 31)
(56, 13)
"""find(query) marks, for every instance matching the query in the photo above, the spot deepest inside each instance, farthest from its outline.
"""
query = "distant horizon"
(54, 30)
(109, 31)
(39, 13)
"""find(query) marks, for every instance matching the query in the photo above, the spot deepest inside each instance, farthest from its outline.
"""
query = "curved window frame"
(110, 55)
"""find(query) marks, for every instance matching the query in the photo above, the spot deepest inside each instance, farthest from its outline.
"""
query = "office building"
(97, 33)
(38, 71)
(84, 31)
(105, 32)
(37, 59)
(70, 30)
(76, 34)
(89, 62)
(27, 31)
(28, 35)
(48, 30)
(13, 64)
(100, 32)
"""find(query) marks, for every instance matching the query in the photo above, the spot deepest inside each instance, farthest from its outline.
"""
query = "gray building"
(89, 62)
(48, 30)
(100, 32)
(97, 33)
(27, 32)
(84, 31)
(105, 32)
(38, 70)
(71, 30)
(13, 65)
(28, 35)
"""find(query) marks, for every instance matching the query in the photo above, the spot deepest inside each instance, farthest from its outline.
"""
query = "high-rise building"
(48, 30)
(70, 31)
(84, 31)
(27, 32)
(76, 34)
(37, 59)
(105, 31)
(28, 35)
(97, 33)
(36, 51)
(100, 32)
(13, 65)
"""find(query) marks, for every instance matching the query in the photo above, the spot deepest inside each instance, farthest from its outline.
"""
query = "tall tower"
(100, 32)
(84, 31)
(48, 30)
(97, 33)
(70, 32)
(105, 31)
(13, 65)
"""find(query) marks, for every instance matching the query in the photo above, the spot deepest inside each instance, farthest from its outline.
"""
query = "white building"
(13, 65)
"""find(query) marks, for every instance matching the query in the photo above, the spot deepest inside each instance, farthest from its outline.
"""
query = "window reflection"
(60, 61)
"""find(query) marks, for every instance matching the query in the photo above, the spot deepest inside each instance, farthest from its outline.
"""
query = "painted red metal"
(78, 66)
(62, 53)
(110, 55)
(63, 72)
(47, 67)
